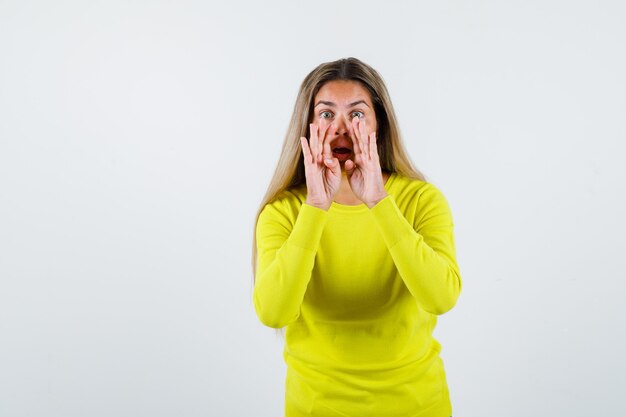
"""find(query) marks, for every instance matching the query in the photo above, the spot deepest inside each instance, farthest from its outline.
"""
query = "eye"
(326, 115)
(358, 114)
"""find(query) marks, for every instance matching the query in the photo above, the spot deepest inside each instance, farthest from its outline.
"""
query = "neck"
(345, 195)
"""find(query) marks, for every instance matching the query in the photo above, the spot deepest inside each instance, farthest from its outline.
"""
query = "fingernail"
(328, 161)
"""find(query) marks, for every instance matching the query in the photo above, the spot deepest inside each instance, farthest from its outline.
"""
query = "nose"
(342, 124)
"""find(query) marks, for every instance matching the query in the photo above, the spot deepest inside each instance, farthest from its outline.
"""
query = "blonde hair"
(289, 171)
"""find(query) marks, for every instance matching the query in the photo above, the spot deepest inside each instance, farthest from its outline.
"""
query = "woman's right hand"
(323, 172)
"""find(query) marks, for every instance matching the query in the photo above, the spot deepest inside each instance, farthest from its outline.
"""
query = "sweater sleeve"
(285, 258)
(424, 255)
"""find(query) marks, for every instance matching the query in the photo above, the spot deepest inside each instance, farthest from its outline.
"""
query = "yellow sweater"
(359, 290)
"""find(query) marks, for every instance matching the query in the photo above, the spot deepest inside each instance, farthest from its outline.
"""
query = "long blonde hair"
(289, 171)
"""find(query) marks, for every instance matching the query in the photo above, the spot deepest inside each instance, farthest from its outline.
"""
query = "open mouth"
(342, 154)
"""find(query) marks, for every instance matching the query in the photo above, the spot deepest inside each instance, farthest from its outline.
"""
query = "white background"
(138, 137)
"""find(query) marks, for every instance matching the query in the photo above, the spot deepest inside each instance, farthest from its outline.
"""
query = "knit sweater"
(359, 291)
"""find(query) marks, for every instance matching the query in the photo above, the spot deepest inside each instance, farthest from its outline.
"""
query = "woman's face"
(337, 103)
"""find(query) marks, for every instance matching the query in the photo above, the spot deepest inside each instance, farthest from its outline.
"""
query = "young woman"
(354, 254)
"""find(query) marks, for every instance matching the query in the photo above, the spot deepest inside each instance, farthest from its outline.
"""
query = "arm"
(425, 255)
(286, 256)
(286, 247)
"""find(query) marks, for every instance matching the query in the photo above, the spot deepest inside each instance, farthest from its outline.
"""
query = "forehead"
(343, 92)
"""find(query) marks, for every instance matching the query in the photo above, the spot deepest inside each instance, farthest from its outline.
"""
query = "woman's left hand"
(364, 173)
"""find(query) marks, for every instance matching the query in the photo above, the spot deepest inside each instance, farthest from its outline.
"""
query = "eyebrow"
(331, 104)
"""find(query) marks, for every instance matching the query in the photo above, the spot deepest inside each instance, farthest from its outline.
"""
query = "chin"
(342, 164)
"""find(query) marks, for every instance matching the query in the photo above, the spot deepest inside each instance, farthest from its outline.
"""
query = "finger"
(322, 145)
(373, 147)
(355, 128)
(355, 141)
(306, 152)
(315, 140)
(333, 165)
(359, 135)
(364, 138)
(336, 168)
(315, 152)
(349, 166)
(327, 153)
(358, 149)
(321, 133)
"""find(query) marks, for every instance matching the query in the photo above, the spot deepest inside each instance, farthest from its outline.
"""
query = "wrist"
(376, 200)
(321, 206)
